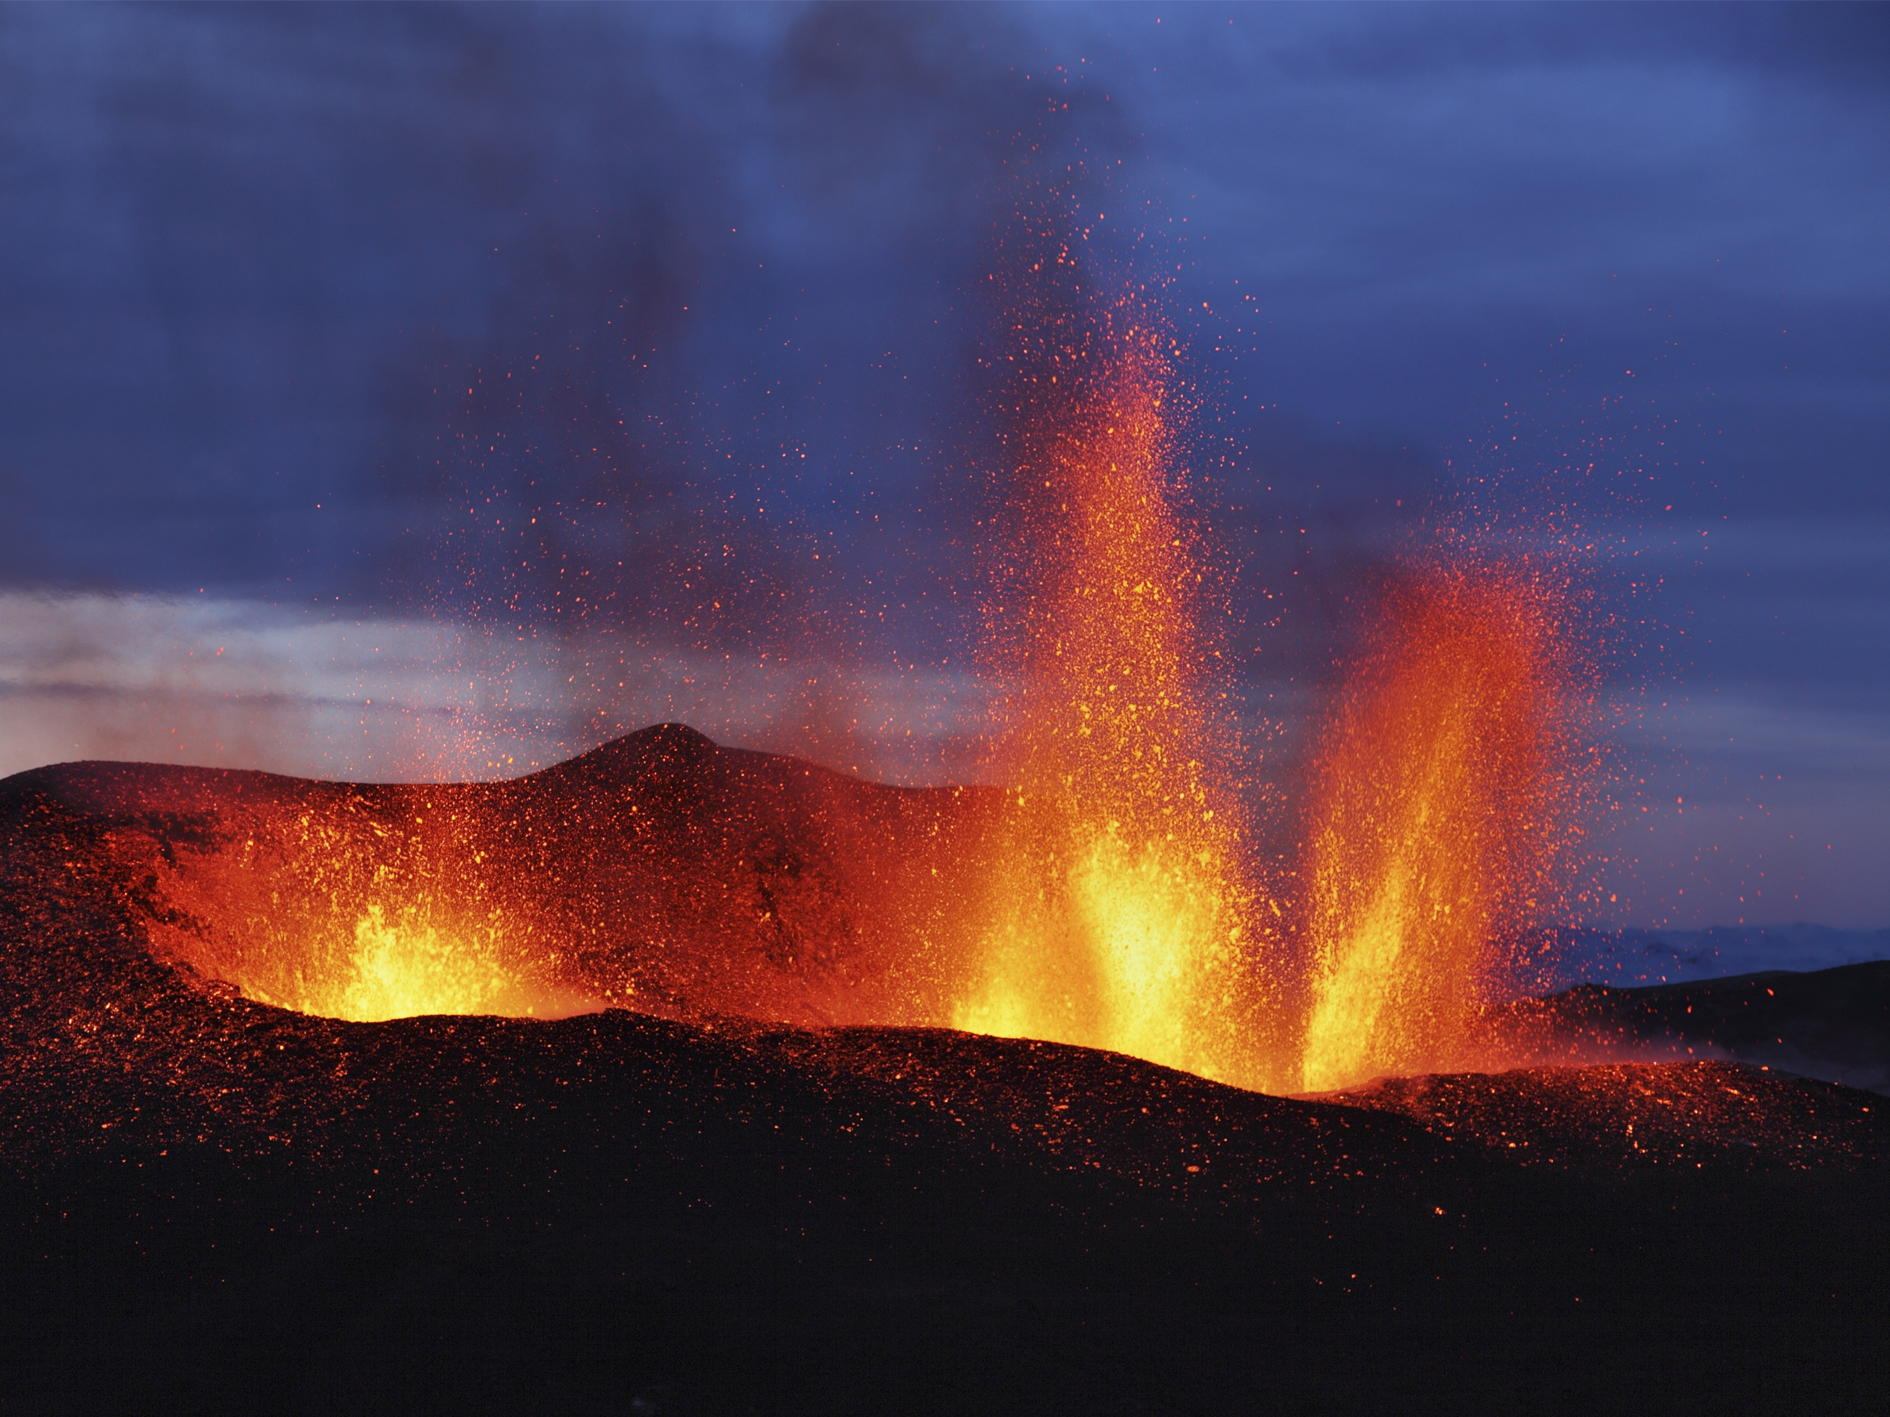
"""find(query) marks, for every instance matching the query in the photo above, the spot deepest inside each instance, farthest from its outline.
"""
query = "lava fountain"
(1438, 809)
(1123, 909)
(1116, 914)
(306, 897)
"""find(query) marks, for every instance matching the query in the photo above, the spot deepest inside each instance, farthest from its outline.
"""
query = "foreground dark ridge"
(1832, 1024)
(214, 1205)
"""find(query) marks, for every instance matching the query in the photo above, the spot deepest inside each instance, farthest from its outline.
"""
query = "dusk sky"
(538, 373)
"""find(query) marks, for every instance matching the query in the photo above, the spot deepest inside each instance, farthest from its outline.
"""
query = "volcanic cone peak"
(676, 768)
(674, 748)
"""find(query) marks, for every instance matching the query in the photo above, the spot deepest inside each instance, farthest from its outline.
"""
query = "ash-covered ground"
(211, 1204)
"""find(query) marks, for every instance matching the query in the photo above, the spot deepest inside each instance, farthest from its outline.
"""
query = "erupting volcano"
(682, 1019)
(1111, 896)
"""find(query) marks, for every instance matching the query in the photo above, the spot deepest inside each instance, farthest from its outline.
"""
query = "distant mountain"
(1627, 957)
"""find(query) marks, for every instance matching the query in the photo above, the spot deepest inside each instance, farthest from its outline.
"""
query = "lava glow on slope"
(320, 906)
(1110, 897)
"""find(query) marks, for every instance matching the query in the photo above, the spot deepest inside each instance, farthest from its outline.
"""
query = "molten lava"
(1123, 910)
(1115, 916)
(1438, 806)
(329, 908)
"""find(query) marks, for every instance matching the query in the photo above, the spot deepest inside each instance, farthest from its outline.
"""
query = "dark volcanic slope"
(210, 1204)
(1675, 1114)
(1832, 1024)
(107, 1042)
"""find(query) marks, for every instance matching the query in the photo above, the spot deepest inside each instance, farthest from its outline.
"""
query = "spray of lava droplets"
(1122, 911)
(1441, 808)
(1117, 916)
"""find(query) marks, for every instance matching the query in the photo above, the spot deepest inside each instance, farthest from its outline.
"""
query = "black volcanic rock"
(1832, 1024)
(210, 1204)
(1643, 1114)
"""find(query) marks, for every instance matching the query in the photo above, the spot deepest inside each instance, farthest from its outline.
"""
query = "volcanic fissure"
(1112, 895)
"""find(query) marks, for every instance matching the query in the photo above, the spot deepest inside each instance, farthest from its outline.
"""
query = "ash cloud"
(743, 423)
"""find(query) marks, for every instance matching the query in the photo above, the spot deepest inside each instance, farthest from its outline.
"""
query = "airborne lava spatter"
(1442, 797)
(1126, 911)
(1117, 916)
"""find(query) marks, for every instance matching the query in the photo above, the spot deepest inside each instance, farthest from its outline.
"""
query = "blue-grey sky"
(583, 320)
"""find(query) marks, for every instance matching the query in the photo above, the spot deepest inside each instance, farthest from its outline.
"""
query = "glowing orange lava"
(1115, 914)
(336, 913)
(1121, 910)
(1438, 808)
